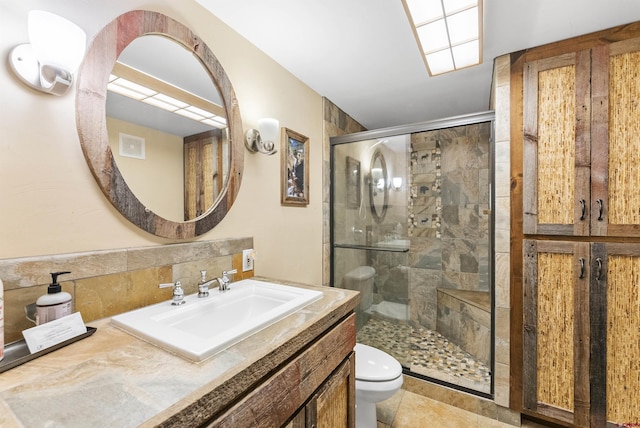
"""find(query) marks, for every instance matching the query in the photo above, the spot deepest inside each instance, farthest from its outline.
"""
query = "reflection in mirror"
(378, 186)
(206, 181)
(160, 98)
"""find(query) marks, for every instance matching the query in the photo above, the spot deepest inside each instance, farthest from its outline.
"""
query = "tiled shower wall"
(106, 283)
(336, 123)
(448, 215)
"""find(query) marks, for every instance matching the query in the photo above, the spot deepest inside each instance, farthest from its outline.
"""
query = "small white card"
(53, 332)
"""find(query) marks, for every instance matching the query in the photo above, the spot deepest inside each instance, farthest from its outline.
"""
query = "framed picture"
(295, 172)
(352, 178)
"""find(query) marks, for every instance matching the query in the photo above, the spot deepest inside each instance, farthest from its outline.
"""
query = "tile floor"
(408, 410)
(426, 352)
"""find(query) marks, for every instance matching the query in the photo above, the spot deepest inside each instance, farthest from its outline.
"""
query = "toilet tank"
(361, 279)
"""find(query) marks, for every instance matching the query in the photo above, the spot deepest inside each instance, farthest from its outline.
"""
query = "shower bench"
(464, 317)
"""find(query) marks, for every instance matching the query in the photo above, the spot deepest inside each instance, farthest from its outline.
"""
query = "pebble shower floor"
(427, 353)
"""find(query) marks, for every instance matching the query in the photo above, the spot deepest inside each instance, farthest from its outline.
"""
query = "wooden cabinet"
(330, 405)
(580, 229)
(582, 331)
(314, 389)
(581, 124)
(556, 330)
(615, 334)
(557, 144)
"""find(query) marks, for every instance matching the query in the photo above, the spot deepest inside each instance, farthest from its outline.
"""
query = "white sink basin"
(202, 327)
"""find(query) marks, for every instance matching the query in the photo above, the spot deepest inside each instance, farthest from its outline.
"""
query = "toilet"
(378, 377)
(361, 279)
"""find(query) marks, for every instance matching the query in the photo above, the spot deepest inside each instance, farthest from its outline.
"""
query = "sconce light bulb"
(397, 183)
(54, 52)
(263, 140)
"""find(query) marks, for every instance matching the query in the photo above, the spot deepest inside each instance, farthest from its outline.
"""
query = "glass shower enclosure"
(411, 229)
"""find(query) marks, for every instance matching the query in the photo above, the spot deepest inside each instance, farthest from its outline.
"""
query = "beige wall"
(50, 202)
(158, 179)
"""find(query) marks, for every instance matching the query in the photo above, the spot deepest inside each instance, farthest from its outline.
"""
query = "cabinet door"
(615, 334)
(334, 404)
(556, 330)
(299, 420)
(315, 380)
(202, 167)
(615, 154)
(557, 145)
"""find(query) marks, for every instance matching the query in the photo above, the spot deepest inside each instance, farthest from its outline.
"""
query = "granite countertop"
(114, 379)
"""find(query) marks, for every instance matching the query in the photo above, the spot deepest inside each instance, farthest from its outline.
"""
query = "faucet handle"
(178, 292)
(224, 281)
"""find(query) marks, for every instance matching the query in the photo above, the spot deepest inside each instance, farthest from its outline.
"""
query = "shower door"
(411, 230)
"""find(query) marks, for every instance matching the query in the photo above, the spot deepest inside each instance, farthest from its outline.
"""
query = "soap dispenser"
(55, 304)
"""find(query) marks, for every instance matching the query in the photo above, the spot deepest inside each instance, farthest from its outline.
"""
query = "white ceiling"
(361, 54)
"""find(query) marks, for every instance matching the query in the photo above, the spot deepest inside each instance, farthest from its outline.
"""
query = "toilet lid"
(374, 365)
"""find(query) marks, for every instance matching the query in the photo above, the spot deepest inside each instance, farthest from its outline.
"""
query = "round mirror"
(167, 128)
(159, 125)
(378, 186)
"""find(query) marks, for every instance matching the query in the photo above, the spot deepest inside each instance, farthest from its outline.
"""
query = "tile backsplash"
(106, 283)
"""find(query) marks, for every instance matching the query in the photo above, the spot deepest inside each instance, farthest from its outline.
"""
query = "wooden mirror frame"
(91, 97)
(378, 213)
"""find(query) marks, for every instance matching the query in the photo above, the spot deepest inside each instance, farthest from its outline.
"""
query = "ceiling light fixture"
(448, 32)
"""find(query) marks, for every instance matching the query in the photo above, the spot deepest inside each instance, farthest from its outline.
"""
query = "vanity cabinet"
(298, 368)
(582, 331)
(581, 117)
(330, 405)
(315, 389)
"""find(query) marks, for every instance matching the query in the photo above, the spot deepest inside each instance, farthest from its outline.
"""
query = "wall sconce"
(377, 180)
(52, 56)
(396, 183)
(264, 138)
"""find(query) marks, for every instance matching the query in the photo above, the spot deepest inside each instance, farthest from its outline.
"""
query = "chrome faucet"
(203, 285)
(178, 292)
(223, 282)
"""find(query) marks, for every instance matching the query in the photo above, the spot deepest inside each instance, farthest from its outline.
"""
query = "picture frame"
(294, 168)
(352, 178)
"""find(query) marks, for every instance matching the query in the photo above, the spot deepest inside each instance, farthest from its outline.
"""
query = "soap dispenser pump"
(55, 304)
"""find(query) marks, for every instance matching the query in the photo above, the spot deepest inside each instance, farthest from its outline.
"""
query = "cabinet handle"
(599, 269)
(583, 207)
(599, 201)
(581, 267)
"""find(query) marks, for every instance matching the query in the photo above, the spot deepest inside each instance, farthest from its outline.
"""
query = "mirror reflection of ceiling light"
(448, 32)
(182, 102)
